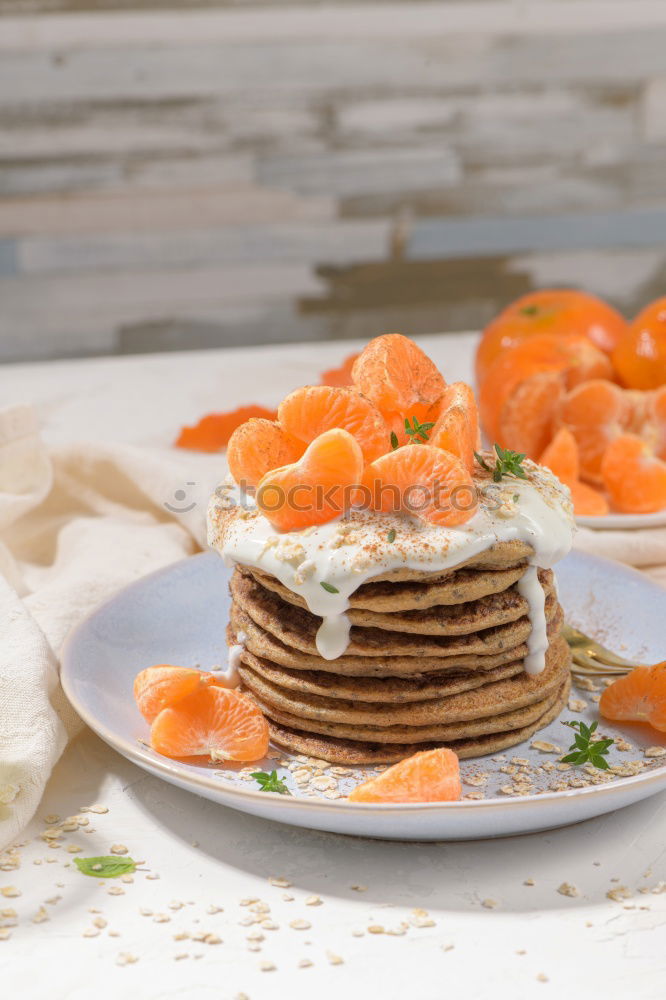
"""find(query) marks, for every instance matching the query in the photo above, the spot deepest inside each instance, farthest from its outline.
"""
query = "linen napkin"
(76, 524)
(643, 548)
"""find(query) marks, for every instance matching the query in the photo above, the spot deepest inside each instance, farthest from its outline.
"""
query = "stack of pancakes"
(433, 659)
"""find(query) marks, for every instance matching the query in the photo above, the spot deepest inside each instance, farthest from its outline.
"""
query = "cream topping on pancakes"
(326, 563)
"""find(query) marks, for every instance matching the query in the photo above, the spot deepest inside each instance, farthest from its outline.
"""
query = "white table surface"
(207, 856)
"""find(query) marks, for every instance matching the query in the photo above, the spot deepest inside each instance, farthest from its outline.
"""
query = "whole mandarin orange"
(560, 311)
(640, 355)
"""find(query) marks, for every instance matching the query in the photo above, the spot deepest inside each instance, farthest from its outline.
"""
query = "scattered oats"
(567, 889)
(99, 922)
(659, 888)
(180, 956)
(40, 916)
(421, 918)
(545, 747)
(489, 904)
(145, 913)
(529, 881)
(507, 790)
(115, 890)
(212, 939)
(577, 705)
(161, 918)
(520, 761)
(97, 808)
(176, 905)
(358, 933)
(73, 848)
(212, 908)
(542, 978)
(448, 947)
(5, 933)
(509, 769)
(521, 951)
(332, 793)
(249, 900)
(397, 931)
(304, 963)
(181, 936)
(474, 796)
(627, 770)
(9, 891)
(255, 935)
(152, 875)
(128, 879)
(267, 966)
(359, 888)
(476, 779)
(125, 958)
(260, 907)
(619, 894)
(586, 683)
(561, 766)
(118, 849)
(313, 901)
(246, 921)
(654, 752)
(270, 925)
(90, 932)
(334, 959)
(300, 925)
(280, 883)
(52, 818)
(375, 929)
(323, 784)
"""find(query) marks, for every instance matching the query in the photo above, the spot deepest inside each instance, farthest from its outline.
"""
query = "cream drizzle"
(347, 552)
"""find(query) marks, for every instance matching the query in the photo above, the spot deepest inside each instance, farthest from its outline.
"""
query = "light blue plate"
(179, 615)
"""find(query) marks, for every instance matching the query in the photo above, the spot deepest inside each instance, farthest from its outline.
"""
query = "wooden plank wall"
(186, 176)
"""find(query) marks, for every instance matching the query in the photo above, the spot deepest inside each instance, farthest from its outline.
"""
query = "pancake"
(395, 690)
(458, 587)
(262, 643)
(297, 628)
(352, 753)
(436, 619)
(487, 700)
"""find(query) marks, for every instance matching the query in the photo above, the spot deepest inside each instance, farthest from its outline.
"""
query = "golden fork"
(591, 658)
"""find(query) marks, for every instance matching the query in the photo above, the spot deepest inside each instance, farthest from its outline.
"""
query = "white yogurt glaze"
(349, 551)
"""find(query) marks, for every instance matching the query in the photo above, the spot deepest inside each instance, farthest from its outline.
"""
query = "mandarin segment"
(341, 375)
(213, 432)
(457, 428)
(308, 412)
(561, 456)
(595, 413)
(427, 776)
(587, 501)
(258, 446)
(315, 489)
(157, 687)
(423, 481)
(562, 312)
(527, 417)
(640, 355)
(213, 721)
(640, 696)
(633, 476)
(400, 379)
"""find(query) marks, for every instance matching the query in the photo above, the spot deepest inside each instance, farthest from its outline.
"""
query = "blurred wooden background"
(175, 176)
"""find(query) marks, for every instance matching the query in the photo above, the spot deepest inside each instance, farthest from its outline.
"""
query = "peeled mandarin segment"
(561, 456)
(258, 446)
(527, 417)
(214, 721)
(640, 355)
(423, 481)
(587, 501)
(428, 776)
(158, 687)
(574, 357)
(652, 428)
(640, 696)
(595, 413)
(399, 379)
(633, 476)
(339, 376)
(213, 432)
(563, 312)
(457, 429)
(316, 489)
(308, 412)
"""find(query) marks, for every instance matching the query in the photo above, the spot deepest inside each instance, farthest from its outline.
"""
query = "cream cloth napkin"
(76, 524)
(645, 549)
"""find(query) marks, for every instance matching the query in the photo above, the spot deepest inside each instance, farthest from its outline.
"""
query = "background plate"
(178, 615)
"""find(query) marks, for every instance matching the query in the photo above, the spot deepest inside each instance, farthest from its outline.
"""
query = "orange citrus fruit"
(400, 380)
(158, 687)
(633, 475)
(424, 481)
(640, 696)
(215, 722)
(595, 412)
(308, 412)
(527, 416)
(427, 776)
(457, 428)
(214, 431)
(258, 446)
(587, 501)
(561, 456)
(640, 355)
(341, 375)
(317, 488)
(563, 312)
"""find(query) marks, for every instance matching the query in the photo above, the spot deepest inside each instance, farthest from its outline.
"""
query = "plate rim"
(291, 802)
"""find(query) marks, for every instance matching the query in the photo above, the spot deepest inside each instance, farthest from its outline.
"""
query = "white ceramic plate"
(179, 614)
(627, 521)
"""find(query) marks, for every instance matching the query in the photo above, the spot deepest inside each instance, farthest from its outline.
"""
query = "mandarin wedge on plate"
(258, 446)
(633, 475)
(308, 412)
(212, 722)
(163, 685)
(457, 428)
(640, 696)
(428, 776)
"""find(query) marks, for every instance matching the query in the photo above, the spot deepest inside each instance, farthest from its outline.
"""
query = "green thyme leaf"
(394, 440)
(270, 782)
(585, 749)
(507, 463)
(482, 462)
(391, 535)
(107, 866)
(416, 431)
(328, 587)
